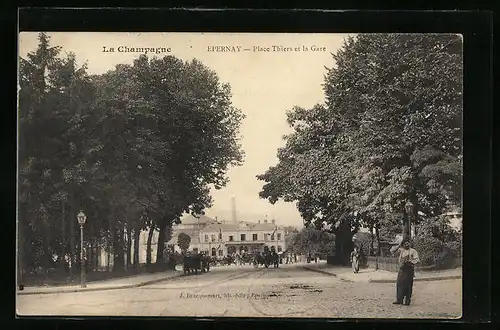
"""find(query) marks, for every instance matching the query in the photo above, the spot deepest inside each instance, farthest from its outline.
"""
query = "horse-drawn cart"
(195, 263)
(269, 257)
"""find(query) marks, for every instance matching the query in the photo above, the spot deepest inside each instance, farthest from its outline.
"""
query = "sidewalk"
(380, 276)
(112, 284)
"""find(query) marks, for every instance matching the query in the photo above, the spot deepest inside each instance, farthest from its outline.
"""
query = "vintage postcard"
(240, 175)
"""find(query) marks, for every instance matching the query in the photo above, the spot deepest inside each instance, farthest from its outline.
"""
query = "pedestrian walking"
(355, 260)
(408, 258)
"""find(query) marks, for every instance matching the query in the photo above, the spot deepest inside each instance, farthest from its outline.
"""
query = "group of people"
(407, 260)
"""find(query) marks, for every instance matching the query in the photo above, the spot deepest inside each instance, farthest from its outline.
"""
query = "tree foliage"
(183, 241)
(312, 241)
(389, 132)
(135, 148)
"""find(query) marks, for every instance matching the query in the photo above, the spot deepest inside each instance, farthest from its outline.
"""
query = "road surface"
(243, 291)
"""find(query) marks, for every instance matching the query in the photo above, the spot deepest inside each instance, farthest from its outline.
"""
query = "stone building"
(221, 239)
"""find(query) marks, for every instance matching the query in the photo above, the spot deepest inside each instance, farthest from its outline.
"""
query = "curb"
(326, 273)
(126, 286)
(423, 279)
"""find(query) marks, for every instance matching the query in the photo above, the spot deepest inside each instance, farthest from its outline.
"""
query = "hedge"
(433, 252)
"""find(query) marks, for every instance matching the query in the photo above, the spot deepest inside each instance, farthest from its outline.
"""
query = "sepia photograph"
(262, 175)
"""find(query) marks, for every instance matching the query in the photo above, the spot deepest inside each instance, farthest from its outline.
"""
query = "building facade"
(213, 237)
(191, 226)
(220, 239)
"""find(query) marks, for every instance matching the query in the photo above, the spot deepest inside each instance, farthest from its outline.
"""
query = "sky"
(264, 84)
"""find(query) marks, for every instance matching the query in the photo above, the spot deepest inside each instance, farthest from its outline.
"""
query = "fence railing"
(389, 264)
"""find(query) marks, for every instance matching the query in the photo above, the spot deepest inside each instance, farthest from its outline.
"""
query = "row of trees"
(311, 241)
(135, 148)
(389, 132)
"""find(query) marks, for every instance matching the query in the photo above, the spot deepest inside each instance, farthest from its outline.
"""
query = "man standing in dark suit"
(408, 258)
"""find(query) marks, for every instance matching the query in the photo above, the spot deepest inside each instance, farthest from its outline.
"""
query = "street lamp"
(81, 217)
(409, 207)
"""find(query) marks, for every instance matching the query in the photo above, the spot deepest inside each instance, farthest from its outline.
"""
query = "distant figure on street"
(355, 260)
(408, 258)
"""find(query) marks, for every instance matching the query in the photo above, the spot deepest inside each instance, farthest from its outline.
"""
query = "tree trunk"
(148, 245)
(161, 243)
(126, 241)
(129, 246)
(343, 242)
(118, 261)
(125, 248)
(137, 237)
(20, 250)
(111, 244)
(343, 246)
(63, 235)
(108, 259)
(94, 257)
(377, 235)
(371, 241)
(47, 257)
(72, 237)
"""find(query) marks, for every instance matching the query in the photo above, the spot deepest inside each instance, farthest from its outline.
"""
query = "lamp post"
(409, 207)
(81, 221)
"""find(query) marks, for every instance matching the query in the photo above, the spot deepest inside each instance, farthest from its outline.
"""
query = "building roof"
(240, 226)
(202, 219)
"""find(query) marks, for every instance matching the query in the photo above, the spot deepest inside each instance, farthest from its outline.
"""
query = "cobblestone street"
(247, 292)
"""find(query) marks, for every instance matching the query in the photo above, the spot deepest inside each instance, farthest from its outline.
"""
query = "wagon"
(195, 263)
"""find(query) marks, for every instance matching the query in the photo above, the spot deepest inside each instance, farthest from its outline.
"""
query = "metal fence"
(389, 264)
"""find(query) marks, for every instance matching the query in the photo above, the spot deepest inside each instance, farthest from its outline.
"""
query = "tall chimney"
(233, 207)
(273, 221)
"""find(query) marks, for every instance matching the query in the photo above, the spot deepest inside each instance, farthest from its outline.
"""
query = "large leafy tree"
(182, 135)
(313, 241)
(390, 132)
(53, 98)
(135, 148)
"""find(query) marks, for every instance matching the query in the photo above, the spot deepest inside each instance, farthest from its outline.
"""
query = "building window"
(213, 238)
(243, 237)
(254, 237)
(279, 248)
(266, 237)
(206, 238)
(214, 252)
(231, 238)
(221, 253)
(231, 250)
(279, 236)
(272, 237)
